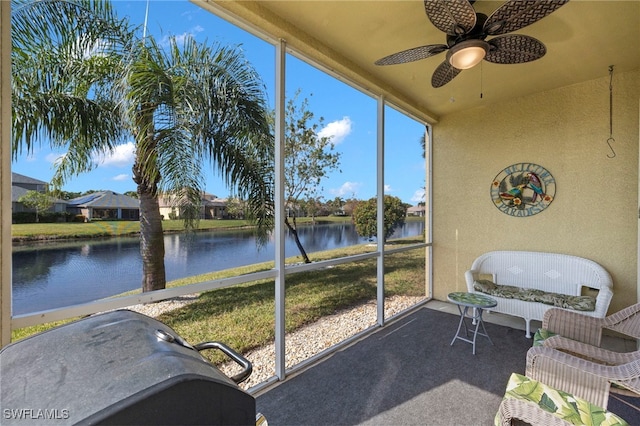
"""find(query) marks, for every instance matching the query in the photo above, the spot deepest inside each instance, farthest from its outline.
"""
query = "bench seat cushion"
(578, 303)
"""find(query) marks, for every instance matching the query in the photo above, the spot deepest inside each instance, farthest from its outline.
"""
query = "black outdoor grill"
(119, 368)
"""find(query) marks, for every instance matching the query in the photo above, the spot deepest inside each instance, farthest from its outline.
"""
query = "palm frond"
(208, 107)
(65, 56)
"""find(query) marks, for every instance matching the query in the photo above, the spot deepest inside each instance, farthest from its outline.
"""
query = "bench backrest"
(550, 272)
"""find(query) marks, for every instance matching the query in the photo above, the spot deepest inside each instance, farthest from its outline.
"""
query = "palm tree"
(188, 107)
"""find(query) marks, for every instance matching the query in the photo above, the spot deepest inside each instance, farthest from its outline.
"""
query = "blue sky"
(349, 116)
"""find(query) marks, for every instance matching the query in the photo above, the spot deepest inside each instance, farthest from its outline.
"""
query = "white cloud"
(387, 189)
(122, 155)
(188, 15)
(55, 158)
(180, 37)
(347, 189)
(121, 177)
(418, 196)
(337, 131)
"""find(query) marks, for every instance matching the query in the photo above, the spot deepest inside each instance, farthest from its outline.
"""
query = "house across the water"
(105, 205)
(212, 207)
(21, 184)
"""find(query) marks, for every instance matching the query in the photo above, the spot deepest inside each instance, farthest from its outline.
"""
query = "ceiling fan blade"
(517, 14)
(514, 49)
(454, 17)
(413, 54)
(443, 74)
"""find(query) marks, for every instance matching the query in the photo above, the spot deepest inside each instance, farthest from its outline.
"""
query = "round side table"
(477, 302)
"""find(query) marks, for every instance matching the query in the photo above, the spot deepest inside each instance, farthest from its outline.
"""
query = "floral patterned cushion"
(484, 286)
(578, 303)
(561, 404)
(541, 335)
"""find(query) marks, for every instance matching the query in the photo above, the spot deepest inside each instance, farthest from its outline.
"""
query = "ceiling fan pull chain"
(480, 80)
(611, 139)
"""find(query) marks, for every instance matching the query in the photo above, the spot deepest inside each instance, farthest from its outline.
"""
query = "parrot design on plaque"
(536, 185)
(523, 189)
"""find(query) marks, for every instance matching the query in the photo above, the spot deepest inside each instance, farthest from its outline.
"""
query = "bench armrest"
(470, 276)
(603, 299)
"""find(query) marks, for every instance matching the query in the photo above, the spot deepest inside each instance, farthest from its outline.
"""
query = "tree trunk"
(147, 176)
(294, 231)
(151, 243)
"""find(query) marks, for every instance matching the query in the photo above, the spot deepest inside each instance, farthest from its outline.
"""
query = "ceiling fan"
(467, 33)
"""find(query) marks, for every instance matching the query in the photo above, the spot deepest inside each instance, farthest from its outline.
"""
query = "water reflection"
(56, 274)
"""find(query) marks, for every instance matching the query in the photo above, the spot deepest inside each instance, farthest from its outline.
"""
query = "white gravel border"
(301, 344)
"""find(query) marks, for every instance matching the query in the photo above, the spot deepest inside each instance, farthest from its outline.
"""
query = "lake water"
(57, 274)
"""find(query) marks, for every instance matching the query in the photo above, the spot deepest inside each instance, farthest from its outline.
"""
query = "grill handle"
(235, 356)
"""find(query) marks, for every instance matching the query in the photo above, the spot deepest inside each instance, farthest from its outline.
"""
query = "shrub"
(43, 217)
(365, 216)
(23, 217)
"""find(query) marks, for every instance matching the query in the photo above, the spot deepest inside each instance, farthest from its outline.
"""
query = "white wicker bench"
(549, 272)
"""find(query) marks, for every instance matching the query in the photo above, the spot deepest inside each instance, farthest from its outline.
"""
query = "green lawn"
(99, 228)
(106, 228)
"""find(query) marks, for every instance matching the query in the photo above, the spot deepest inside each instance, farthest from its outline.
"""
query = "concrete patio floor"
(409, 373)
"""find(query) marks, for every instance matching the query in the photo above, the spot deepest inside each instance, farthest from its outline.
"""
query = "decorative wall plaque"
(523, 189)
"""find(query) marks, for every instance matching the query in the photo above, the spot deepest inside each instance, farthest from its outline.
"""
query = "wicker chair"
(584, 370)
(588, 329)
(537, 403)
(512, 409)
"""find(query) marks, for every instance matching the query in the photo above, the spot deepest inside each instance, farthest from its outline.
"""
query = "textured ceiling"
(583, 38)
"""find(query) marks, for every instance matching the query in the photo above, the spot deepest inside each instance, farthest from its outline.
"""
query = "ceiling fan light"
(467, 54)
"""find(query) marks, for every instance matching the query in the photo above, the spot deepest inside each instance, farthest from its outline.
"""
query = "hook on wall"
(611, 139)
(613, 153)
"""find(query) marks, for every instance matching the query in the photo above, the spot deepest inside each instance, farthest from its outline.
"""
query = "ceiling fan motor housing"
(475, 33)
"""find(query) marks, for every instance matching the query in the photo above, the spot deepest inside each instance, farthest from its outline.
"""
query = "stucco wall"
(595, 210)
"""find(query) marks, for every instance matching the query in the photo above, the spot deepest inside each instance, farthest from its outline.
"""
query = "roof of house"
(211, 197)
(216, 202)
(18, 178)
(105, 199)
(207, 199)
(416, 208)
(17, 192)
